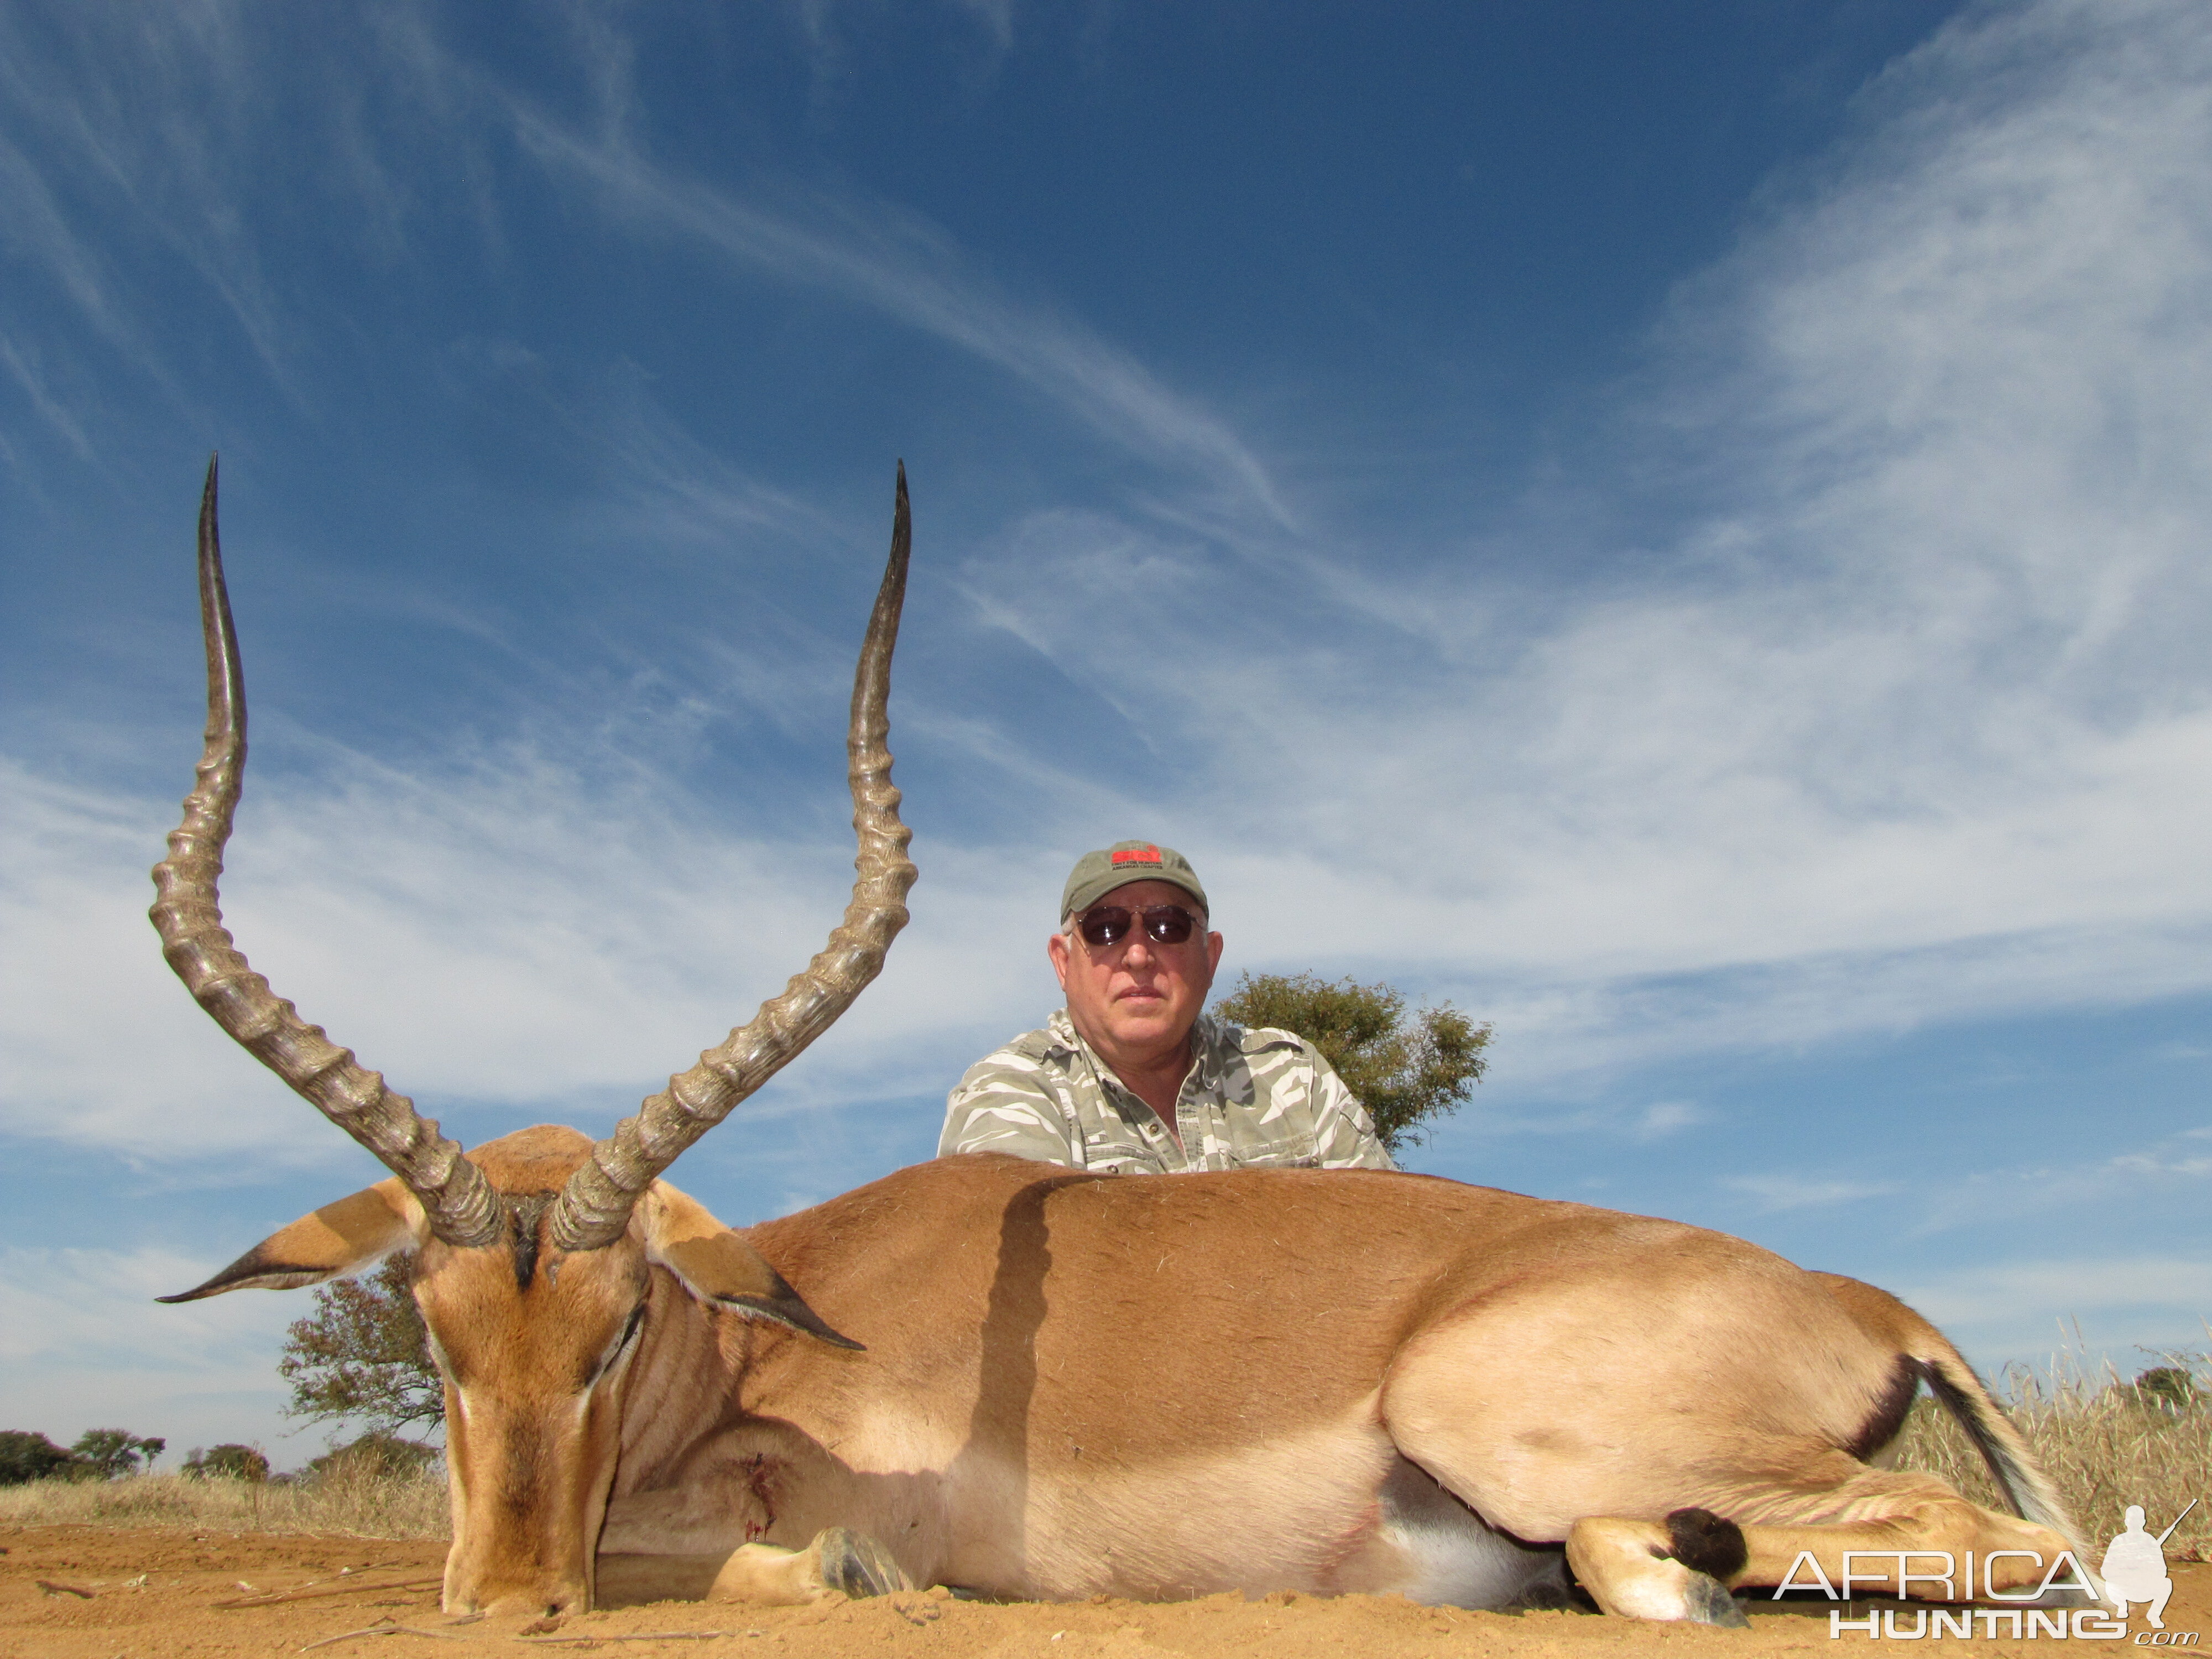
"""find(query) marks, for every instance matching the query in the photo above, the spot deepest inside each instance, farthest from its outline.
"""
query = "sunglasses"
(1164, 924)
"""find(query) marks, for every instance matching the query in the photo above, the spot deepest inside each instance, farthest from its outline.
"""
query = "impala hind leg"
(1678, 1570)
(837, 1563)
(1670, 1568)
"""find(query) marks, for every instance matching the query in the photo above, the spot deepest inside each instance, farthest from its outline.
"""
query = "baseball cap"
(1097, 874)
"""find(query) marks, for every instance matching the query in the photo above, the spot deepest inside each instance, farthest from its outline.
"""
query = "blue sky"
(1680, 530)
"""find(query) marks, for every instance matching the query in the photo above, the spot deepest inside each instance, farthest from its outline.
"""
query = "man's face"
(1136, 998)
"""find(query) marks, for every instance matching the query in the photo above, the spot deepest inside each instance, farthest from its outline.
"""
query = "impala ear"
(339, 1239)
(717, 1266)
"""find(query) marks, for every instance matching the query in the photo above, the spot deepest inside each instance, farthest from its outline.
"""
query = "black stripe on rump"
(1887, 1420)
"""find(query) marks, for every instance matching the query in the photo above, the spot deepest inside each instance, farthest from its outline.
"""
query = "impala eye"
(615, 1349)
(441, 1358)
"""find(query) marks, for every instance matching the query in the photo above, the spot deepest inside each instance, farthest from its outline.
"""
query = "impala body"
(1038, 1383)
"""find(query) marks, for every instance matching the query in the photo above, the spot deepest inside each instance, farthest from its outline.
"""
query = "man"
(1132, 1076)
(2134, 1568)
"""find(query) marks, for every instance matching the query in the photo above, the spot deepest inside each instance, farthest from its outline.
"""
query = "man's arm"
(1005, 1104)
(1344, 1134)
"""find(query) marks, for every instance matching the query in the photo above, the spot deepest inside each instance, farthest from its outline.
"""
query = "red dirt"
(185, 1574)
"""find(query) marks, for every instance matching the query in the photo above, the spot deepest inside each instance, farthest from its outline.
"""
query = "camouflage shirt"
(1253, 1097)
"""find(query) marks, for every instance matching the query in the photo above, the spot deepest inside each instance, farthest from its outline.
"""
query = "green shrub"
(25, 1455)
(375, 1457)
(229, 1462)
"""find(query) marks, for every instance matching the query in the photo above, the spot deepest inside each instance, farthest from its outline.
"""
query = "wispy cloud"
(1792, 1192)
(2029, 1296)
(524, 932)
(39, 233)
(1668, 1117)
(25, 372)
(153, 135)
(891, 259)
(83, 1348)
(124, 146)
(2077, 1174)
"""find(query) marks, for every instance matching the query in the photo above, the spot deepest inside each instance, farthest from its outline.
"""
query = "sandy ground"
(97, 1593)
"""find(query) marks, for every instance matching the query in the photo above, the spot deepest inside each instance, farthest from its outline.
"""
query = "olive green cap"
(1097, 874)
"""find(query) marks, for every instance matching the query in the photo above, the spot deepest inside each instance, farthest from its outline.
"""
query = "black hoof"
(855, 1564)
(1709, 1603)
(1704, 1543)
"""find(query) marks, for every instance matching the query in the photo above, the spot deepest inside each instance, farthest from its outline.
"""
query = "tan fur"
(1163, 1388)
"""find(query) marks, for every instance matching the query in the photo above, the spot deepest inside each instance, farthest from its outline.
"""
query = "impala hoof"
(857, 1565)
(1709, 1603)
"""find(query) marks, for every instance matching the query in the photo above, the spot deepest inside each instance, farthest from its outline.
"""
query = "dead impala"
(1039, 1383)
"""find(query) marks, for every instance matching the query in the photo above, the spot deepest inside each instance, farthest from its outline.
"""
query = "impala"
(1040, 1383)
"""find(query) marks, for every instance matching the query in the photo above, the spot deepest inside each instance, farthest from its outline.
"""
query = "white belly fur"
(1455, 1560)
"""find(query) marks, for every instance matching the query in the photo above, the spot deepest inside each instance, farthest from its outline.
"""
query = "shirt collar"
(1208, 1036)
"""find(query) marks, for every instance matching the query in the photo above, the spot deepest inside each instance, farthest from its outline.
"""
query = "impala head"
(538, 1257)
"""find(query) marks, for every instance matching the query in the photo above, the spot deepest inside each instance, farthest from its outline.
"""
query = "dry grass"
(2103, 1445)
(366, 1503)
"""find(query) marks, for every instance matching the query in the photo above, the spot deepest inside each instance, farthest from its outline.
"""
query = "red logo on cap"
(1138, 855)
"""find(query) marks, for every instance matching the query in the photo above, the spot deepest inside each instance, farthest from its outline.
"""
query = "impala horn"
(594, 1208)
(463, 1209)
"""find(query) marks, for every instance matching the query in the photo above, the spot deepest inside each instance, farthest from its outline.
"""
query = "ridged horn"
(594, 1208)
(463, 1208)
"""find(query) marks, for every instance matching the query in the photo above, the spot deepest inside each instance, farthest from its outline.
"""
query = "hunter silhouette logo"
(2135, 1567)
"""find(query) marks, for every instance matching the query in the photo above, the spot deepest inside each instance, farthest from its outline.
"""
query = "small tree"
(109, 1454)
(376, 1456)
(26, 1456)
(228, 1462)
(364, 1355)
(1406, 1070)
(2168, 1385)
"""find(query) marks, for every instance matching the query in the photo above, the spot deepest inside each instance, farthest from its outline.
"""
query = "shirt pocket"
(1279, 1157)
(1111, 1147)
